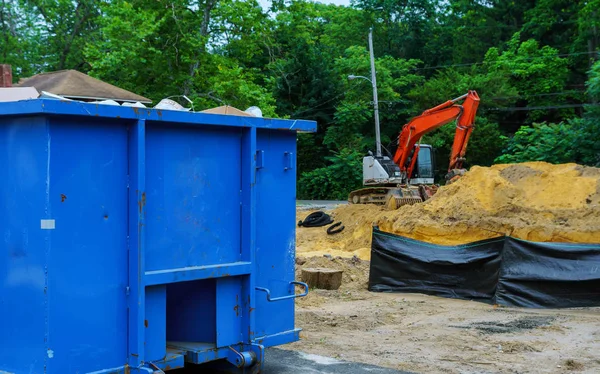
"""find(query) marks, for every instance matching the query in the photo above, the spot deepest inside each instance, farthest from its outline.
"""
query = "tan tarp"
(17, 93)
(76, 85)
(226, 109)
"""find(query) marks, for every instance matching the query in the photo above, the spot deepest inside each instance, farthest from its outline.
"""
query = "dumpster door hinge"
(127, 290)
(241, 359)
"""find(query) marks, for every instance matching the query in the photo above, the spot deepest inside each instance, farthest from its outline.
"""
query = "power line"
(506, 109)
(538, 95)
(318, 105)
(527, 108)
(454, 27)
(518, 58)
(498, 109)
(351, 88)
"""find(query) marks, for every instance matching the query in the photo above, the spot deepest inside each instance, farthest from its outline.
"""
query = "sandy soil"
(533, 201)
(427, 334)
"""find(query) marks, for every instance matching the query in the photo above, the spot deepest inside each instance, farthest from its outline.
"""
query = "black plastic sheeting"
(549, 275)
(505, 271)
(467, 272)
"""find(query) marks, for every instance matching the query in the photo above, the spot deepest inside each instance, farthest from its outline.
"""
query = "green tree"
(468, 28)
(554, 22)
(588, 22)
(335, 181)
(354, 115)
(402, 27)
(162, 52)
(20, 39)
(537, 73)
(495, 88)
(574, 140)
(66, 27)
(541, 142)
(127, 53)
(587, 142)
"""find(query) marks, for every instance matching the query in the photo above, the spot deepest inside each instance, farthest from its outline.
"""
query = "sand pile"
(532, 201)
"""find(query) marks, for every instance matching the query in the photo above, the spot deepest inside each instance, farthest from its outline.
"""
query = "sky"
(265, 3)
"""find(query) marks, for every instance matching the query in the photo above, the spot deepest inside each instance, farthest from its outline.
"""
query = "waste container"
(140, 240)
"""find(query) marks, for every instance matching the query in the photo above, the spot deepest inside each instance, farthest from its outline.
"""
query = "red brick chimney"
(5, 75)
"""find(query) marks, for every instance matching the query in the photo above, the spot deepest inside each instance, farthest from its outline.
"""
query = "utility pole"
(375, 102)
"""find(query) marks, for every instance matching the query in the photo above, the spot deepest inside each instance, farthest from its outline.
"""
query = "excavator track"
(392, 197)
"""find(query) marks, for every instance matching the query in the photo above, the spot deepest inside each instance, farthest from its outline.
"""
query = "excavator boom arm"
(464, 128)
(435, 118)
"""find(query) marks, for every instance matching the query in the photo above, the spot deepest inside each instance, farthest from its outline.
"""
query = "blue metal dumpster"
(139, 240)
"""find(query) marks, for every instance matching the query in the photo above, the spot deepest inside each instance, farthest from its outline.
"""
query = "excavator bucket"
(454, 175)
(427, 191)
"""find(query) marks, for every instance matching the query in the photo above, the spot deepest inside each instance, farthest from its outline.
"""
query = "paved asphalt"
(319, 204)
(280, 361)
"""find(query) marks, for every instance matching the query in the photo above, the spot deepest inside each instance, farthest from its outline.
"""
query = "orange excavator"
(408, 178)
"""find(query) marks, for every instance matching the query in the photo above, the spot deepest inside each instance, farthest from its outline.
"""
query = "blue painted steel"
(136, 239)
(275, 248)
(238, 354)
(292, 296)
(126, 229)
(154, 327)
(197, 273)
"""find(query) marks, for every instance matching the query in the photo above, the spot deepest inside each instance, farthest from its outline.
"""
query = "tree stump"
(327, 279)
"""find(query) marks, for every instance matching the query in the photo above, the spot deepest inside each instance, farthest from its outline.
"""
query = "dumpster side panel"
(193, 196)
(23, 156)
(275, 230)
(87, 259)
(143, 238)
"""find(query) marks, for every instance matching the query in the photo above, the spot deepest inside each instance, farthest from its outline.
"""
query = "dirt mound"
(534, 201)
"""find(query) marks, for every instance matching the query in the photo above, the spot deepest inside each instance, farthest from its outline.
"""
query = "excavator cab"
(383, 170)
(424, 171)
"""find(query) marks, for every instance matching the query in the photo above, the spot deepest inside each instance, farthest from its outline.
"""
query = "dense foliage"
(532, 62)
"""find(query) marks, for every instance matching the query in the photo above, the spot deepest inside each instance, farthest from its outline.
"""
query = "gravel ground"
(428, 334)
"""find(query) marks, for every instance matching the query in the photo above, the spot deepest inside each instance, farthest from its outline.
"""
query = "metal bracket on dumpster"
(288, 296)
(257, 353)
(241, 359)
(288, 158)
(156, 368)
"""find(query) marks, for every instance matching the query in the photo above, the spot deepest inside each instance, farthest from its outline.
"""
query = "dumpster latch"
(260, 155)
(288, 160)
(269, 298)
